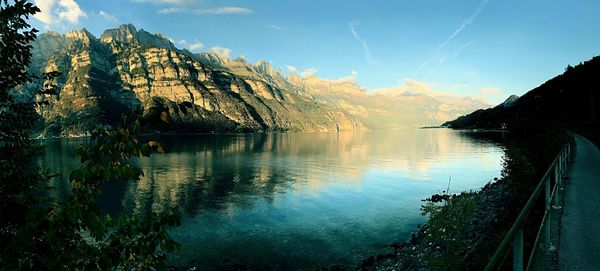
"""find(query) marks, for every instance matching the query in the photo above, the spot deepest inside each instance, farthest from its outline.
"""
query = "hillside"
(128, 69)
(570, 100)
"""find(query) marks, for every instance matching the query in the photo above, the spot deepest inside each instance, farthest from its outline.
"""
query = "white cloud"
(489, 91)
(212, 11)
(275, 27)
(410, 87)
(415, 87)
(59, 11)
(221, 51)
(108, 17)
(308, 72)
(350, 78)
(291, 68)
(196, 46)
(173, 2)
(191, 45)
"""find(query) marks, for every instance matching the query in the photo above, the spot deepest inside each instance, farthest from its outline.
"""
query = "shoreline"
(421, 248)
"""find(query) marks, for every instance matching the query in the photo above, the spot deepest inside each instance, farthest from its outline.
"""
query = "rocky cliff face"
(126, 69)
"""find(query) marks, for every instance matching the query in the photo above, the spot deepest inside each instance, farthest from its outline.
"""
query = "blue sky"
(481, 48)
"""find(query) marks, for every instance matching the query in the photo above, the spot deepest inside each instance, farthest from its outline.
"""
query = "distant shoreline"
(465, 129)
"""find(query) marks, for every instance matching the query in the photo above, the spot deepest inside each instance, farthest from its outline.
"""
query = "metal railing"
(515, 235)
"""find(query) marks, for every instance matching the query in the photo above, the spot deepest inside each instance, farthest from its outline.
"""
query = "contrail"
(443, 59)
(454, 54)
(464, 25)
(363, 42)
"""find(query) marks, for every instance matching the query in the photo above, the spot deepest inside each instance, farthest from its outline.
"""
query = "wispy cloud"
(487, 94)
(462, 27)
(362, 42)
(409, 87)
(108, 17)
(349, 78)
(291, 68)
(275, 27)
(213, 11)
(308, 72)
(222, 51)
(489, 91)
(456, 93)
(173, 2)
(59, 11)
(191, 45)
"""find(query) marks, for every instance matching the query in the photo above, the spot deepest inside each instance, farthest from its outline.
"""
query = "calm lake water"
(293, 201)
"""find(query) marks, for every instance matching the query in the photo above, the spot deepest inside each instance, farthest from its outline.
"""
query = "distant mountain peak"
(125, 33)
(82, 34)
(266, 68)
(51, 33)
(214, 58)
(510, 101)
(128, 34)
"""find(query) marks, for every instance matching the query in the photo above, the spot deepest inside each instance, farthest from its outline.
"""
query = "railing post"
(566, 161)
(559, 163)
(562, 163)
(548, 209)
(515, 234)
(518, 251)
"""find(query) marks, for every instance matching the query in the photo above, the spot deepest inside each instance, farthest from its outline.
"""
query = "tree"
(18, 179)
(41, 233)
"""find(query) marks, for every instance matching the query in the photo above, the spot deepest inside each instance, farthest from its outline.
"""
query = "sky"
(487, 49)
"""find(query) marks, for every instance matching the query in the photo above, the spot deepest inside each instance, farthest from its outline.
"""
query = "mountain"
(384, 110)
(510, 101)
(128, 69)
(570, 100)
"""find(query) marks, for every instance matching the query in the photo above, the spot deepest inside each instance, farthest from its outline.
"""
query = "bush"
(40, 233)
(449, 225)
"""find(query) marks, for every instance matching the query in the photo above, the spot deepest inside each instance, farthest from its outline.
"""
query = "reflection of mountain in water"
(293, 201)
(218, 171)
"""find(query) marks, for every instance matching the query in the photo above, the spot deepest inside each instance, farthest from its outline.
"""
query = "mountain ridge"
(128, 69)
(569, 100)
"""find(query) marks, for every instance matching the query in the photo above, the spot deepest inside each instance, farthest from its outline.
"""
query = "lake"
(293, 201)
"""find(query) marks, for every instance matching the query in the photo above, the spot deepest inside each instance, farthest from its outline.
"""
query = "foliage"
(39, 233)
(519, 173)
(73, 235)
(18, 180)
(449, 224)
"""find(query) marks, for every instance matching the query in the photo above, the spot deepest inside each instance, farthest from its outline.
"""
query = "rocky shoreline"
(484, 232)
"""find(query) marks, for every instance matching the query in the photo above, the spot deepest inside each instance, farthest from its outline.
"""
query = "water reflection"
(295, 201)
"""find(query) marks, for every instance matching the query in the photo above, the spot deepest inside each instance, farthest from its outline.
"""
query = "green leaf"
(76, 175)
(145, 150)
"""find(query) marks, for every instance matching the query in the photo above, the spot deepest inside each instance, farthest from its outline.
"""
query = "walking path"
(580, 225)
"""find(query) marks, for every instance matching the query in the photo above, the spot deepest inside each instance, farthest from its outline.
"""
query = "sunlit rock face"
(381, 110)
(128, 69)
